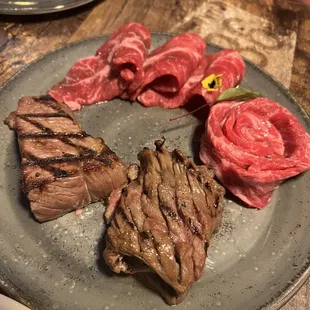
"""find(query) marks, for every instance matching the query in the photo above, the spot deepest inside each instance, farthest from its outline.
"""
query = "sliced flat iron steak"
(163, 222)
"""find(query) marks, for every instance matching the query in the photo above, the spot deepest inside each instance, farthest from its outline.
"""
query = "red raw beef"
(117, 66)
(128, 47)
(254, 146)
(176, 99)
(230, 64)
(169, 67)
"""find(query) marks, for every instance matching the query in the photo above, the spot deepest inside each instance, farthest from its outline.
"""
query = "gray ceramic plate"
(258, 259)
(38, 6)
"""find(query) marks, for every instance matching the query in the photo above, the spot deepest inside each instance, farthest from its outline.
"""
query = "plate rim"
(278, 300)
(39, 11)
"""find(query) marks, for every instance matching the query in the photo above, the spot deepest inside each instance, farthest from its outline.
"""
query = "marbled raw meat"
(176, 99)
(118, 65)
(169, 67)
(254, 146)
(227, 63)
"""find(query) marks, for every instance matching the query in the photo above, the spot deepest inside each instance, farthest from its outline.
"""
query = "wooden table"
(275, 34)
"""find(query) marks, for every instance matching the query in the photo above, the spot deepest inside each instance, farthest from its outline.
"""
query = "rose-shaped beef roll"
(254, 146)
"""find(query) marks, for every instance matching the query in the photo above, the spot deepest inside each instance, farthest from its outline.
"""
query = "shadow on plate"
(230, 196)
(198, 103)
(24, 202)
(147, 279)
(199, 130)
(201, 115)
(142, 278)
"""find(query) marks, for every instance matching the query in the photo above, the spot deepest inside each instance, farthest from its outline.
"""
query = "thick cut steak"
(63, 168)
(117, 66)
(163, 222)
(254, 146)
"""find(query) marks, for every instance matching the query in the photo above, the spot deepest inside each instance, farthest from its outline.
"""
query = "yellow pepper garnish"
(212, 82)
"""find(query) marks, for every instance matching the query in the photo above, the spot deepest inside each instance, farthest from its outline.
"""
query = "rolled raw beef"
(169, 68)
(176, 99)
(254, 146)
(118, 65)
(228, 66)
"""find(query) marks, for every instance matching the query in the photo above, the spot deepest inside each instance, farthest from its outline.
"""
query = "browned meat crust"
(63, 167)
(163, 221)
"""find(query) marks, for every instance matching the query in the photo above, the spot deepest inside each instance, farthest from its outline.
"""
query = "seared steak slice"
(163, 221)
(63, 168)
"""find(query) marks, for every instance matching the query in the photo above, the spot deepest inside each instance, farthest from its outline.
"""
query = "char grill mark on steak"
(164, 218)
(56, 114)
(152, 164)
(49, 135)
(191, 224)
(56, 152)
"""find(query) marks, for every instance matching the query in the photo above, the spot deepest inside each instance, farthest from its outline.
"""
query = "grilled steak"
(163, 222)
(63, 168)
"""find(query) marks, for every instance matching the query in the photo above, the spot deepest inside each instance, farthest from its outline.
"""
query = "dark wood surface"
(275, 34)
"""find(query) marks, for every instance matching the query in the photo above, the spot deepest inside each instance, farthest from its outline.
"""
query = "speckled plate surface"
(258, 259)
(38, 6)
